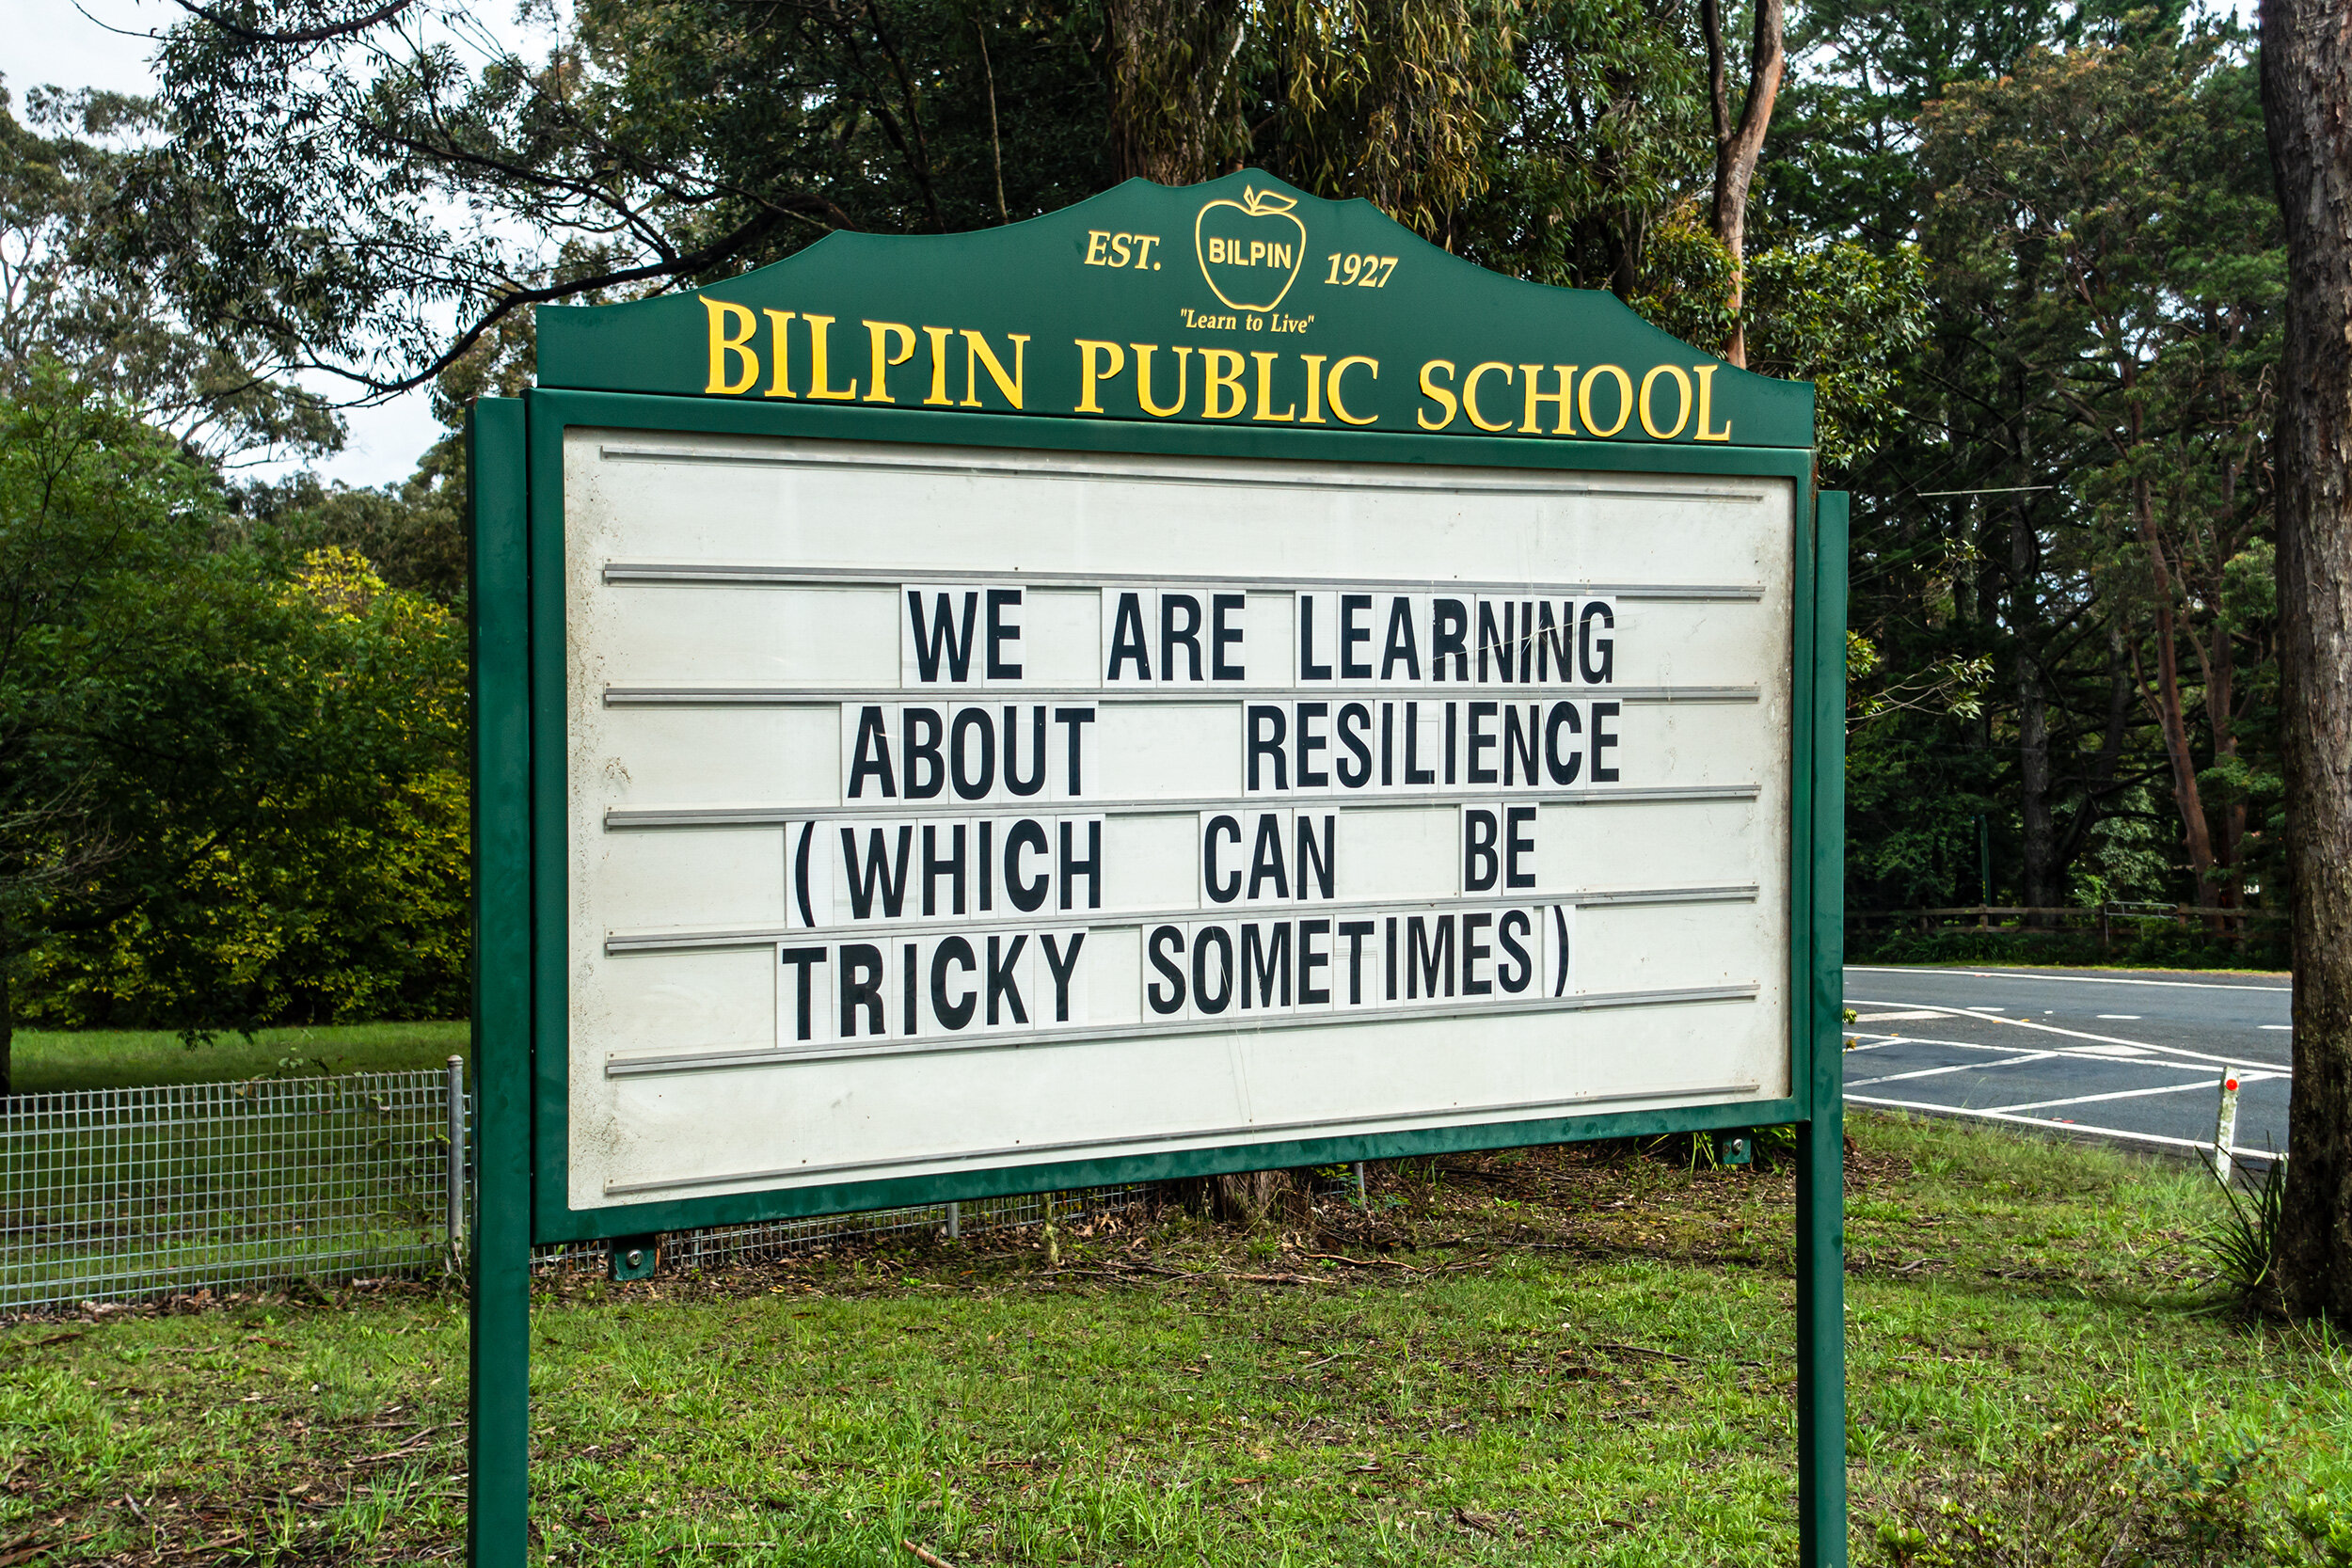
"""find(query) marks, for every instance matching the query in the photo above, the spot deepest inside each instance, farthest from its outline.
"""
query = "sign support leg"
(498, 1526)
(499, 1447)
(1821, 1139)
(1821, 1340)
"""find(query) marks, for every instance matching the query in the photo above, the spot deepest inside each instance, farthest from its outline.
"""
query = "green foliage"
(1845, 318)
(232, 785)
(413, 533)
(100, 515)
(357, 189)
(2244, 1244)
(1600, 152)
(306, 858)
(1394, 101)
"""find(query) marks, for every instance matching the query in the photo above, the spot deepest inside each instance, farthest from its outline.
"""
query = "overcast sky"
(57, 42)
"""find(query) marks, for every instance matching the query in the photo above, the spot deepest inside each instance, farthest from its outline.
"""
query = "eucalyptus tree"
(77, 287)
(2307, 98)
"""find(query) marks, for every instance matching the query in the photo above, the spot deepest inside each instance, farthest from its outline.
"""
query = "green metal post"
(1821, 1146)
(498, 1478)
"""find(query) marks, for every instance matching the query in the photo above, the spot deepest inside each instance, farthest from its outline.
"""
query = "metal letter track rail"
(620, 819)
(752, 574)
(1194, 696)
(1309, 1018)
(1105, 920)
(1207, 1137)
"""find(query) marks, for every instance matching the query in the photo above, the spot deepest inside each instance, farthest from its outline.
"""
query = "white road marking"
(2077, 979)
(1965, 1066)
(2072, 1033)
(2137, 1094)
(2137, 1054)
(1893, 1018)
(2235, 1151)
(2119, 1094)
(2120, 1018)
(2286, 1028)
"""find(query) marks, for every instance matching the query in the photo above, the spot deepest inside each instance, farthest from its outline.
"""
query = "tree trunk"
(2039, 850)
(1738, 147)
(1245, 1198)
(2228, 847)
(7, 1035)
(2172, 719)
(2306, 103)
(2164, 700)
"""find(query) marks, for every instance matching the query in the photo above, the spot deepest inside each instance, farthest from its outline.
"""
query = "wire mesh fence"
(111, 1194)
(108, 1194)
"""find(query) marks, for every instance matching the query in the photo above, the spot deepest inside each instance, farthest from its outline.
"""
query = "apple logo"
(1251, 249)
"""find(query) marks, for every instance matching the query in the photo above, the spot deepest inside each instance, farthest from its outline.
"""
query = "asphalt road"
(2136, 1056)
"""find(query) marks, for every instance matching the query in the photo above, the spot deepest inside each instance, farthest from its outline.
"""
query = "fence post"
(2225, 1128)
(457, 1163)
(955, 1221)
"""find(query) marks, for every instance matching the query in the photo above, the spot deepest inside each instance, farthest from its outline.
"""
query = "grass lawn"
(1555, 1356)
(43, 1060)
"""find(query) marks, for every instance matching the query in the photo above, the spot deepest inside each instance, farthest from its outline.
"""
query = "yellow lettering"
(903, 337)
(976, 348)
(1089, 351)
(1143, 379)
(1314, 388)
(1332, 387)
(1585, 399)
(1707, 392)
(937, 397)
(820, 368)
(1143, 251)
(780, 349)
(1559, 400)
(1096, 239)
(1222, 369)
(734, 338)
(1265, 385)
(1435, 393)
(1682, 413)
(1469, 394)
(1121, 245)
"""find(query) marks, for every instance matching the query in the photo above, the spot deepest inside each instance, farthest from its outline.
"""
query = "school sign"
(1200, 681)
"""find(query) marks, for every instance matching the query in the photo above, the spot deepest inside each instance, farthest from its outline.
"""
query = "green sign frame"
(686, 363)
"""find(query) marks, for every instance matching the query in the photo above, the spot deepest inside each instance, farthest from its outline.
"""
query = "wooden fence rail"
(2231, 925)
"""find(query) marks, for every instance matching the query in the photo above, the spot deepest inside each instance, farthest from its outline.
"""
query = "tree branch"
(305, 35)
